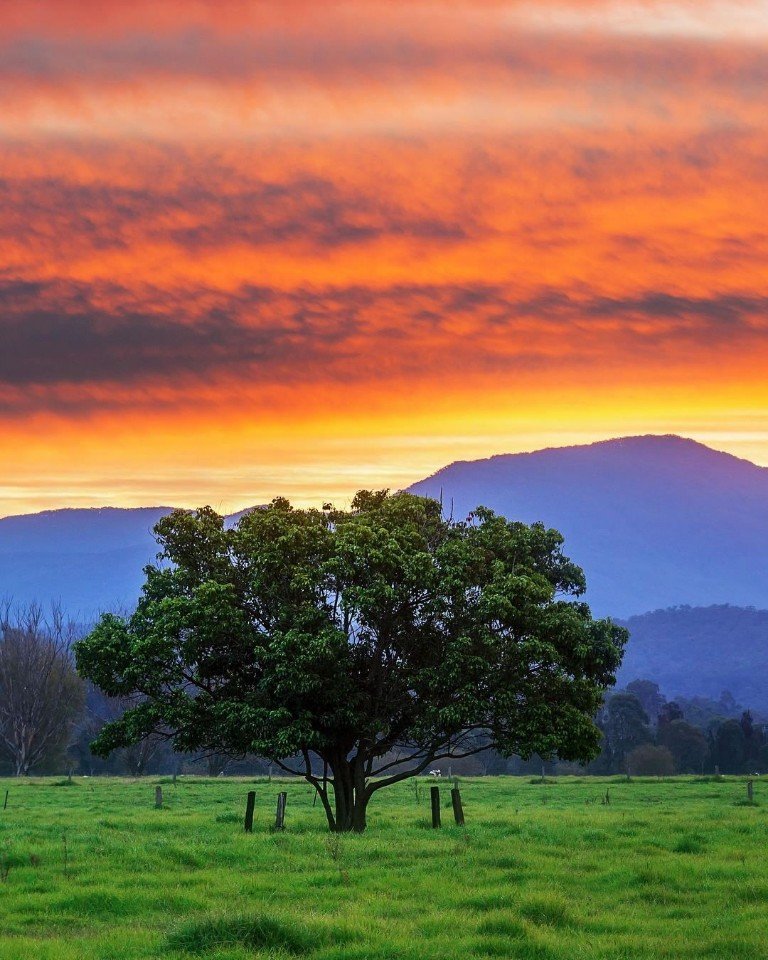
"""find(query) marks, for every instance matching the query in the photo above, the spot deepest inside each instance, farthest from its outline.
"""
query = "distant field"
(674, 868)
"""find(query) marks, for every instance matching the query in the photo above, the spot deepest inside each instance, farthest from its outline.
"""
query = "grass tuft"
(256, 932)
(694, 843)
(502, 925)
(229, 817)
(546, 911)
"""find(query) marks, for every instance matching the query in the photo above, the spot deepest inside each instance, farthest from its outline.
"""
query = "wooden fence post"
(435, 796)
(282, 799)
(158, 798)
(249, 805)
(750, 794)
(458, 810)
(6, 800)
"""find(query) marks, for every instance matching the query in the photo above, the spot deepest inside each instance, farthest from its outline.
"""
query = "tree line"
(644, 733)
(49, 716)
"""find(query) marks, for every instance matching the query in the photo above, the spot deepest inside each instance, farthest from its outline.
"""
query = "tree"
(369, 644)
(651, 698)
(753, 738)
(137, 757)
(626, 727)
(687, 744)
(729, 747)
(668, 714)
(40, 693)
(648, 760)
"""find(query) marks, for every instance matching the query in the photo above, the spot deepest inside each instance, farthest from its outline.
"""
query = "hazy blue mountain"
(654, 521)
(89, 560)
(701, 651)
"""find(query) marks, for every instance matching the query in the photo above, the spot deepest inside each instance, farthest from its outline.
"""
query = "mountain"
(701, 651)
(655, 521)
(89, 560)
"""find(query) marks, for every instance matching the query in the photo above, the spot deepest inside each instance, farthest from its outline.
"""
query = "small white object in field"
(435, 773)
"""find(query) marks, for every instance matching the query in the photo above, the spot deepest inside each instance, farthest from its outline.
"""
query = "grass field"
(673, 868)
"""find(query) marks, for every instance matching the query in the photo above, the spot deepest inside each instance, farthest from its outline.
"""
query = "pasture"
(668, 869)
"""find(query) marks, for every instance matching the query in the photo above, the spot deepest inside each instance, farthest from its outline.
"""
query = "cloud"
(59, 337)
(261, 71)
(59, 332)
(261, 211)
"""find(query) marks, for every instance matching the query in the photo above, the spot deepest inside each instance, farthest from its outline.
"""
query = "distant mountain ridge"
(656, 521)
(78, 530)
(88, 559)
(701, 651)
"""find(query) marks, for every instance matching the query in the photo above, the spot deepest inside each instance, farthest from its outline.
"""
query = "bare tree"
(216, 763)
(139, 756)
(134, 759)
(41, 694)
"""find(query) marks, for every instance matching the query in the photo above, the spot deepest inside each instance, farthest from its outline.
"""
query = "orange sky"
(252, 249)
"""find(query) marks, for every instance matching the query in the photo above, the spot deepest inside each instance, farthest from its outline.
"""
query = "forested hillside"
(693, 651)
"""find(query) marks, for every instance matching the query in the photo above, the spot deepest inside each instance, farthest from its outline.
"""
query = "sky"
(293, 248)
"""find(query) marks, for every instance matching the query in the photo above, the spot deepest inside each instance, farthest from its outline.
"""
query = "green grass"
(668, 869)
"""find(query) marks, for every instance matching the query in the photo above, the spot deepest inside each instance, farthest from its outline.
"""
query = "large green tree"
(369, 643)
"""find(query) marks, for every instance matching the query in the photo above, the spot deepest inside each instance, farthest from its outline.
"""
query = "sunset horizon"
(260, 249)
(343, 496)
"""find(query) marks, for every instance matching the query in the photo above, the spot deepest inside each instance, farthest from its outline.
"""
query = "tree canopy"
(366, 643)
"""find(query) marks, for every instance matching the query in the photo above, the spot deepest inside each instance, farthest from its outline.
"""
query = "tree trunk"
(350, 797)
(22, 763)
